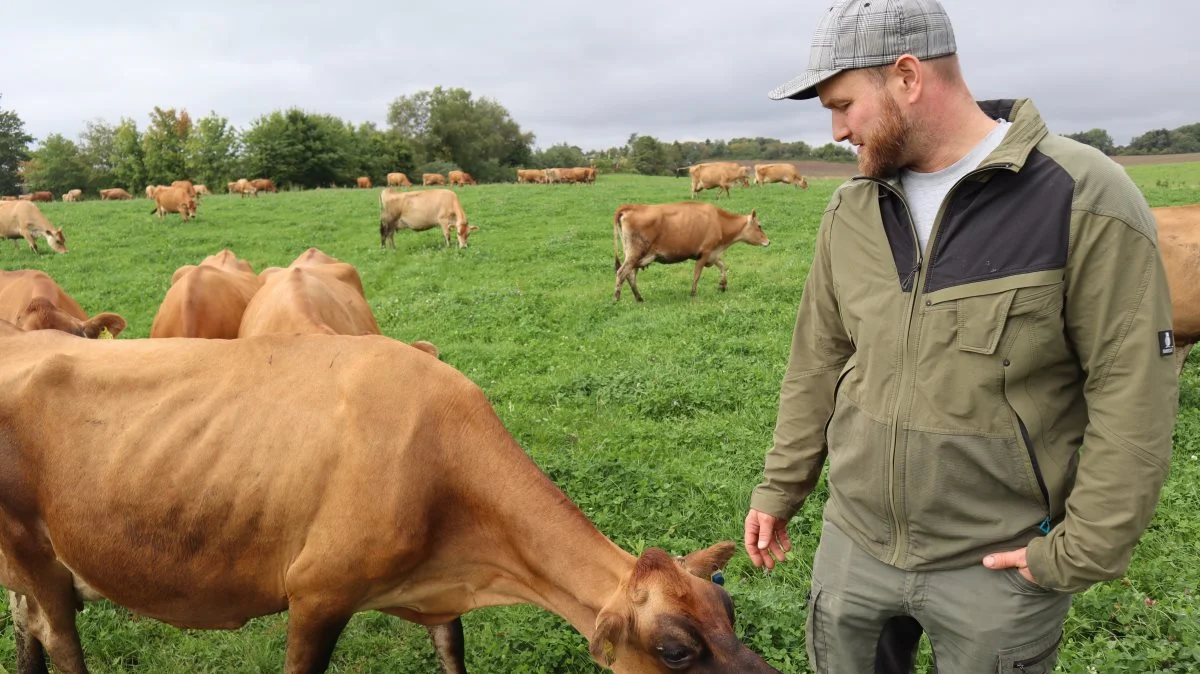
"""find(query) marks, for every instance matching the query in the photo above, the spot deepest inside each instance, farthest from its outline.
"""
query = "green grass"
(653, 417)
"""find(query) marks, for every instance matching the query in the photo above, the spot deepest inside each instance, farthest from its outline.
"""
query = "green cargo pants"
(865, 616)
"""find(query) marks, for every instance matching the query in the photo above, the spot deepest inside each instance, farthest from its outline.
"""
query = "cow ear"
(473, 228)
(610, 631)
(753, 212)
(98, 323)
(704, 563)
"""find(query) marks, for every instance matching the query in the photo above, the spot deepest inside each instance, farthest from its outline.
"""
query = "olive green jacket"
(1009, 386)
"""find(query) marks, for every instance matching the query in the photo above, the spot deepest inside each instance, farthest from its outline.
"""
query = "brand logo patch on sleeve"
(1166, 342)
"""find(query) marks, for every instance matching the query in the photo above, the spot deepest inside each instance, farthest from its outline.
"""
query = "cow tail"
(617, 239)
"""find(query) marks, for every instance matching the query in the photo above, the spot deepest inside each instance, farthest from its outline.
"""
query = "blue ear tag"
(1044, 527)
(718, 578)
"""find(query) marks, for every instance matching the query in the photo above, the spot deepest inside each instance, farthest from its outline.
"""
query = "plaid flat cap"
(867, 33)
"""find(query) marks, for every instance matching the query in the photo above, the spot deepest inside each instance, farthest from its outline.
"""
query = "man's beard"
(886, 148)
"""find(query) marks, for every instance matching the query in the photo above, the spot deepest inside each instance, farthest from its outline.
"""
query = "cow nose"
(766, 243)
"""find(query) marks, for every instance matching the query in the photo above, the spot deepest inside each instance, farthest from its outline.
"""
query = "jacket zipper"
(920, 270)
(1044, 526)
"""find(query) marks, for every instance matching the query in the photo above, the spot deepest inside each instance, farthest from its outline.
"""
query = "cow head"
(56, 239)
(752, 232)
(41, 314)
(669, 616)
(464, 230)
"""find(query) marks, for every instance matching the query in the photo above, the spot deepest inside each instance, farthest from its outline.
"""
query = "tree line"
(430, 131)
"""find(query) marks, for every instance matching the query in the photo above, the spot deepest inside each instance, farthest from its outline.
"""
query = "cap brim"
(802, 87)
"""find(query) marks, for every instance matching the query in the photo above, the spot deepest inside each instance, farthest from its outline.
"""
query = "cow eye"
(675, 655)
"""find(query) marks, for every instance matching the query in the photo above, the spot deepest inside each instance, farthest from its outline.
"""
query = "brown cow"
(245, 187)
(420, 211)
(73, 195)
(779, 173)
(671, 233)
(23, 220)
(207, 300)
(531, 176)
(1179, 245)
(41, 196)
(316, 294)
(364, 182)
(174, 200)
(187, 185)
(202, 189)
(398, 179)
(264, 185)
(150, 191)
(203, 483)
(433, 179)
(115, 194)
(31, 300)
(461, 178)
(718, 174)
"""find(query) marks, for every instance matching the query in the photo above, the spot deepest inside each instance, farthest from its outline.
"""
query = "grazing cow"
(150, 190)
(115, 194)
(23, 220)
(398, 179)
(202, 189)
(531, 176)
(778, 173)
(364, 183)
(420, 211)
(671, 233)
(316, 294)
(718, 174)
(232, 187)
(25, 197)
(207, 300)
(174, 200)
(245, 187)
(460, 178)
(1179, 245)
(203, 483)
(433, 179)
(187, 185)
(41, 196)
(31, 300)
(73, 195)
(264, 185)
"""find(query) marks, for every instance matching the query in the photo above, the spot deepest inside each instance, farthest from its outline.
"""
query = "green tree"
(163, 146)
(56, 166)
(128, 159)
(649, 156)
(476, 134)
(300, 148)
(377, 152)
(97, 147)
(1097, 138)
(211, 151)
(14, 149)
(559, 156)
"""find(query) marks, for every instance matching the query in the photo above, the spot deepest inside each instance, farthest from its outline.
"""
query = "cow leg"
(1181, 354)
(700, 265)
(314, 626)
(50, 625)
(31, 241)
(31, 657)
(448, 643)
(633, 284)
(720, 265)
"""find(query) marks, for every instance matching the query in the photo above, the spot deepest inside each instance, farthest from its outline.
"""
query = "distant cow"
(174, 200)
(778, 173)
(670, 233)
(23, 220)
(531, 176)
(187, 185)
(245, 187)
(150, 190)
(460, 178)
(202, 189)
(718, 174)
(115, 194)
(364, 182)
(433, 179)
(31, 300)
(207, 300)
(264, 185)
(398, 179)
(1179, 245)
(420, 211)
(73, 195)
(41, 196)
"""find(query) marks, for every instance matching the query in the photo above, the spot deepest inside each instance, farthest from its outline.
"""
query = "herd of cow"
(267, 448)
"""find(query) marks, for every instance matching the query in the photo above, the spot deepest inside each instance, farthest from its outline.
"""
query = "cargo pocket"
(1023, 585)
(1036, 657)
(981, 321)
(814, 630)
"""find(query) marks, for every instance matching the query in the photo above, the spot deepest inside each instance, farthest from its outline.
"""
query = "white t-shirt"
(925, 192)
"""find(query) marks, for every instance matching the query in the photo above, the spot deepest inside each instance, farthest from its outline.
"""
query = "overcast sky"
(588, 73)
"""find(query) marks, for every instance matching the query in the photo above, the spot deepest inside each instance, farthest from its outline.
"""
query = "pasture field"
(652, 417)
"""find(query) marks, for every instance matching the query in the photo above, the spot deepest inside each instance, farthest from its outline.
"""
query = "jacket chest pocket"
(985, 311)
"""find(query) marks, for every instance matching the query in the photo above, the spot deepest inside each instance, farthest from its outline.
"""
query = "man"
(980, 352)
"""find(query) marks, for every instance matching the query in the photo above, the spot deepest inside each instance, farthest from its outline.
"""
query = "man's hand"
(767, 536)
(1008, 560)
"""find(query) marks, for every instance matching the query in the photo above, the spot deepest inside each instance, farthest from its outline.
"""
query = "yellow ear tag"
(105, 334)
